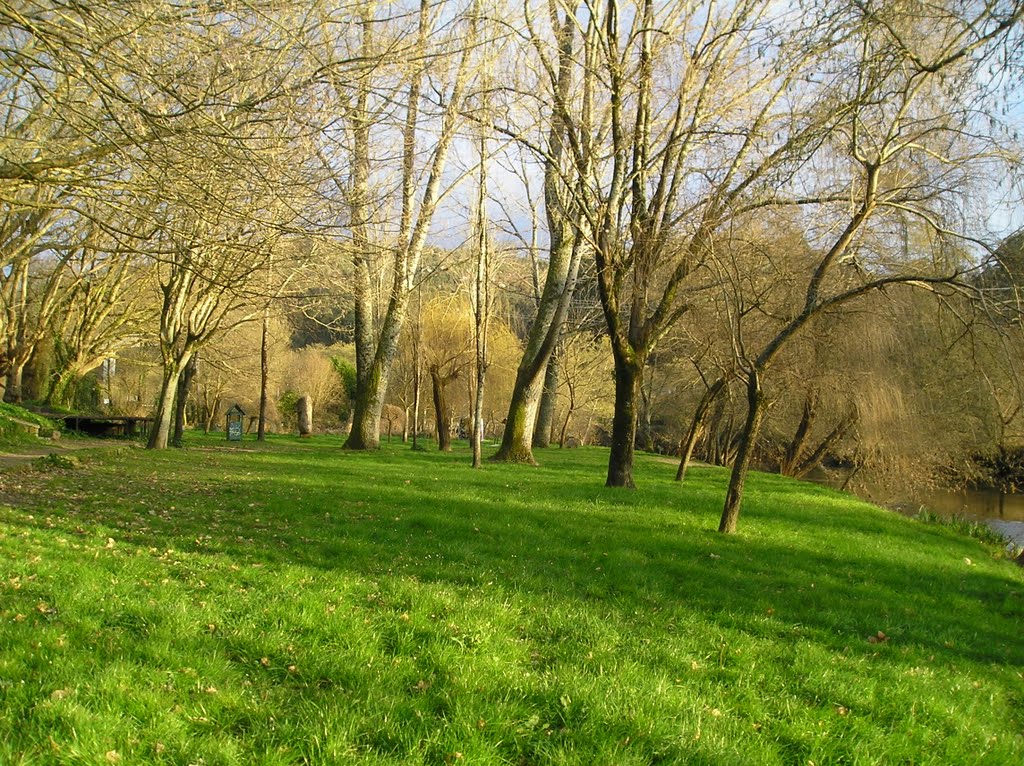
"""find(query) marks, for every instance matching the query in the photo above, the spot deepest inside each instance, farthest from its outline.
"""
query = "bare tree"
(33, 284)
(481, 307)
(377, 343)
(911, 143)
(110, 308)
(565, 248)
(695, 121)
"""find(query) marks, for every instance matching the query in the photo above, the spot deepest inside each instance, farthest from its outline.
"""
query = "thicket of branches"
(762, 233)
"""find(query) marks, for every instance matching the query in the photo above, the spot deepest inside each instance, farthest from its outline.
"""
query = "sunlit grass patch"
(295, 603)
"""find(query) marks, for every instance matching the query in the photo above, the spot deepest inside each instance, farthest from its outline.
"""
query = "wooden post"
(304, 410)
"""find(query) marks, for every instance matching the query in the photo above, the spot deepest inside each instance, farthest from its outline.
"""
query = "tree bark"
(365, 431)
(212, 411)
(442, 419)
(304, 413)
(61, 390)
(546, 412)
(699, 416)
(741, 465)
(522, 414)
(261, 431)
(417, 378)
(13, 390)
(809, 463)
(570, 408)
(563, 267)
(164, 414)
(481, 306)
(627, 393)
(181, 399)
(372, 377)
(61, 385)
(795, 448)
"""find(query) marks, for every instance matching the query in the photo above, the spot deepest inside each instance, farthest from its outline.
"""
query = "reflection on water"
(978, 504)
(972, 504)
(1003, 512)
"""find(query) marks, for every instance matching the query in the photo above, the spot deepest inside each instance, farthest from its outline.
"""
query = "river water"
(1003, 512)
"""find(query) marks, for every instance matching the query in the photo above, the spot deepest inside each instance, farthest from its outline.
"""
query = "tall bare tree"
(692, 119)
(377, 342)
(910, 145)
(560, 60)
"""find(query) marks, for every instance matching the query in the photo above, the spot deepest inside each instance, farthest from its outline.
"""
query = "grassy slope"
(298, 604)
(9, 435)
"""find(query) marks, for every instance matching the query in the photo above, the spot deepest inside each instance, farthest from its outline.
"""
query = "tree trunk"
(791, 458)
(444, 435)
(563, 267)
(522, 414)
(569, 410)
(645, 432)
(699, 415)
(365, 431)
(212, 411)
(481, 306)
(181, 399)
(417, 388)
(748, 438)
(809, 463)
(61, 390)
(627, 394)
(13, 391)
(304, 413)
(521, 421)
(164, 414)
(372, 378)
(546, 413)
(718, 431)
(261, 432)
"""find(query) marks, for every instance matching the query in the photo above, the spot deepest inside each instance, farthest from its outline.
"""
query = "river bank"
(1002, 511)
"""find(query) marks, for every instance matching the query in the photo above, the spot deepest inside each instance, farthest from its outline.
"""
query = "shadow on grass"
(807, 559)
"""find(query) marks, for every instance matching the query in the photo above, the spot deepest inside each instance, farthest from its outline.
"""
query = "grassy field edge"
(294, 603)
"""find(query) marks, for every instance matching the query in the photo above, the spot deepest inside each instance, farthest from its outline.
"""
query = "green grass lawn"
(296, 604)
(11, 434)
